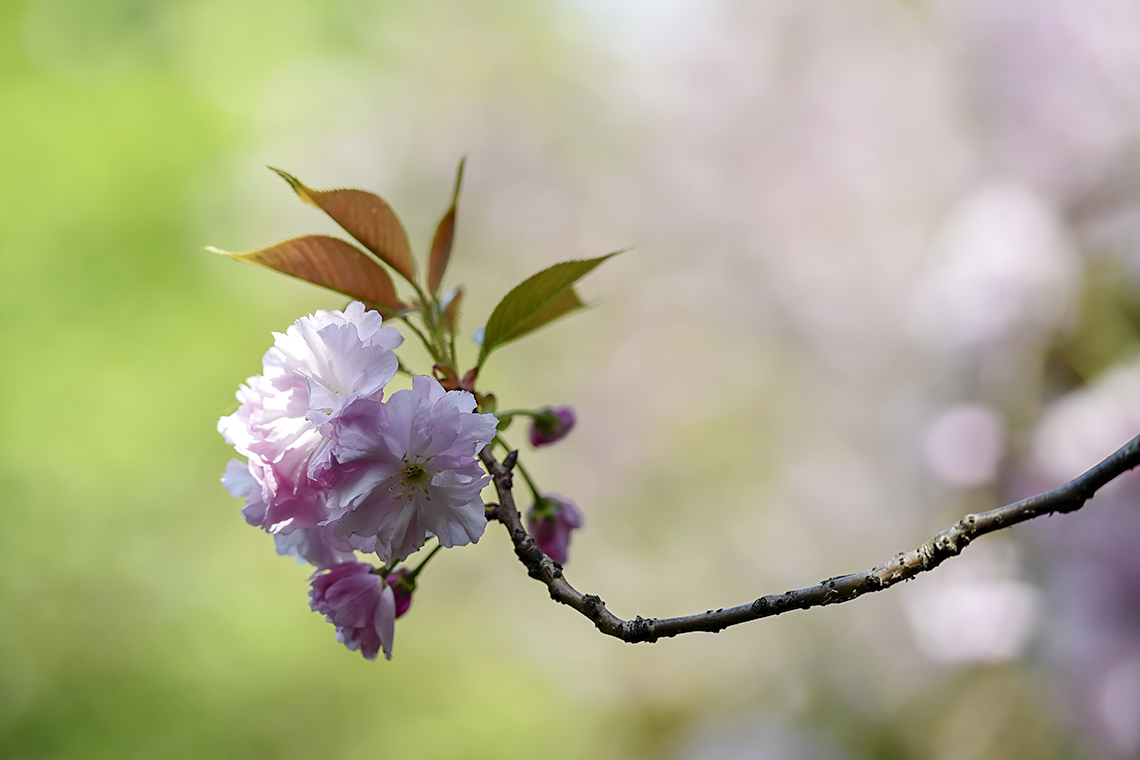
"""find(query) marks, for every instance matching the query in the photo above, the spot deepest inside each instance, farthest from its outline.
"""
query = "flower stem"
(529, 482)
(518, 465)
(451, 343)
(433, 323)
(518, 413)
(423, 564)
(419, 334)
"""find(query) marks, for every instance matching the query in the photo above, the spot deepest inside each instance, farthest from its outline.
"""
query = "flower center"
(414, 476)
(414, 473)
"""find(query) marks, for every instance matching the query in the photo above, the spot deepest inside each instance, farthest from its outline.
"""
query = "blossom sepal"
(403, 583)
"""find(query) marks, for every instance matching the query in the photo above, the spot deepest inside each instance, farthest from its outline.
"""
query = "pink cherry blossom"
(551, 425)
(316, 368)
(316, 546)
(359, 603)
(240, 482)
(550, 523)
(407, 467)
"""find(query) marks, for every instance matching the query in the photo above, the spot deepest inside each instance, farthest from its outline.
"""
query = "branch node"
(948, 543)
(1077, 501)
(639, 630)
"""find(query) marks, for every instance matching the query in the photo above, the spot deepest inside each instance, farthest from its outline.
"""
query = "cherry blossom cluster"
(334, 467)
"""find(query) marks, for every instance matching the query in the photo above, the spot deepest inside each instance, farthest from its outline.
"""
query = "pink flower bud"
(359, 603)
(550, 522)
(551, 424)
(403, 583)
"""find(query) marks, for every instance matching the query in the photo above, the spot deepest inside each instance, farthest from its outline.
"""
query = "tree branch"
(948, 543)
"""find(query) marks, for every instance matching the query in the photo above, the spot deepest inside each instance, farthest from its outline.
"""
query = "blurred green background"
(140, 617)
(766, 388)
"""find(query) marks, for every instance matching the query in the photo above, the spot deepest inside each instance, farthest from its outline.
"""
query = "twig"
(948, 543)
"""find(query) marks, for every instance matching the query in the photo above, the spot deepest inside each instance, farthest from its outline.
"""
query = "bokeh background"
(885, 270)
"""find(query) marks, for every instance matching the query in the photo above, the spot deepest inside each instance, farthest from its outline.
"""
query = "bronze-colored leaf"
(451, 310)
(444, 235)
(331, 263)
(367, 218)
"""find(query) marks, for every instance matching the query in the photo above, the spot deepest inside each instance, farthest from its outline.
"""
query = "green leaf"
(564, 303)
(331, 263)
(535, 302)
(444, 235)
(367, 218)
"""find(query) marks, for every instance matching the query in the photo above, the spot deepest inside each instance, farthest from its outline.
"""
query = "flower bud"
(550, 522)
(551, 424)
(403, 583)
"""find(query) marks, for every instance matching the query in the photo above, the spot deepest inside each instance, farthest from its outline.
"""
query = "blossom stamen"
(414, 473)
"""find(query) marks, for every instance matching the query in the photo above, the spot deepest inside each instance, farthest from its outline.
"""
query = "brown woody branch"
(948, 543)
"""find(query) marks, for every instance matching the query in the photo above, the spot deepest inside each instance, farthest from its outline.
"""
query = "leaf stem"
(428, 308)
(419, 334)
(451, 341)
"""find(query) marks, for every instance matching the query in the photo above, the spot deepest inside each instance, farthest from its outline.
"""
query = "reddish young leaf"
(451, 311)
(367, 218)
(331, 263)
(444, 235)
